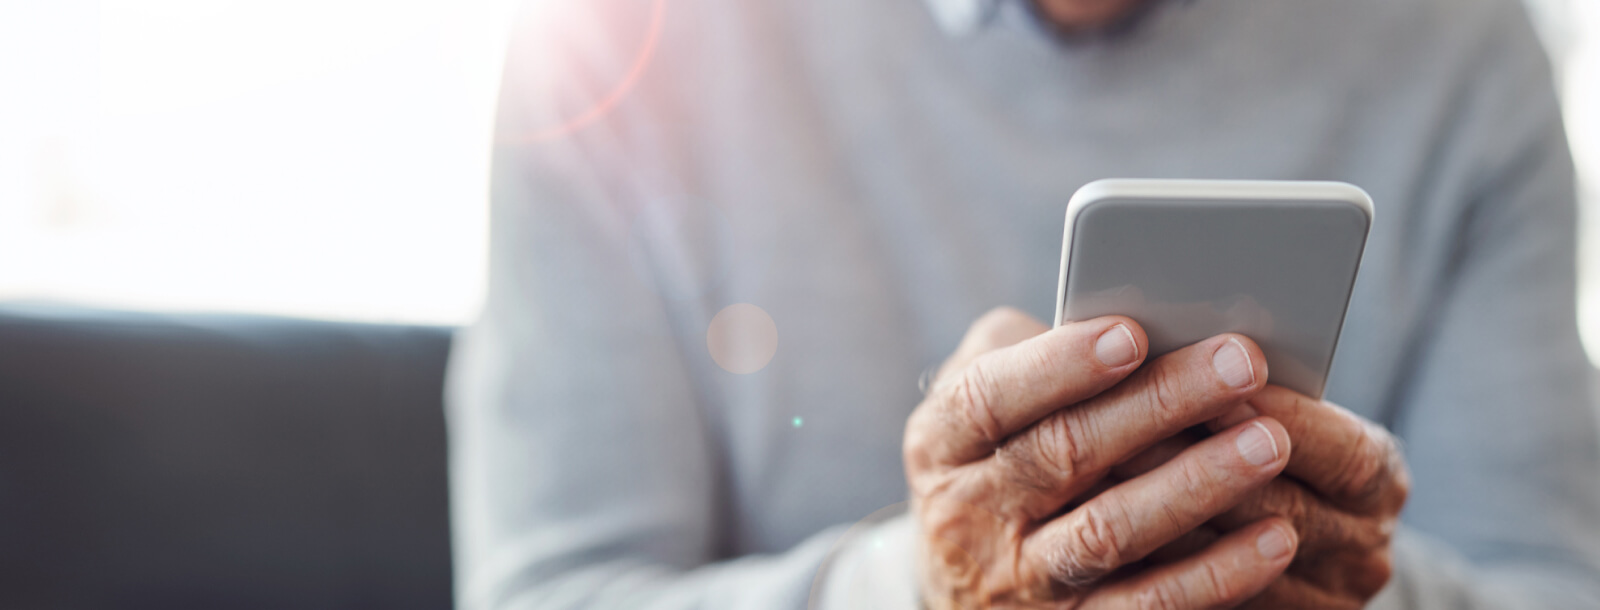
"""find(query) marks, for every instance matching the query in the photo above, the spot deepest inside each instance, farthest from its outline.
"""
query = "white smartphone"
(1189, 259)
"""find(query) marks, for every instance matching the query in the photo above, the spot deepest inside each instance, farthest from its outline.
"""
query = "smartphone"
(1189, 259)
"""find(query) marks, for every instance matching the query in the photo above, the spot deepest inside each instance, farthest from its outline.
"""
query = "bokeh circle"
(742, 339)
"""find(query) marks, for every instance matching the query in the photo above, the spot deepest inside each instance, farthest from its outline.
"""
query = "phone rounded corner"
(1356, 196)
(1091, 193)
(1085, 197)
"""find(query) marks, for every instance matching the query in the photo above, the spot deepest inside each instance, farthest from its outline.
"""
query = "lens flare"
(598, 110)
(742, 339)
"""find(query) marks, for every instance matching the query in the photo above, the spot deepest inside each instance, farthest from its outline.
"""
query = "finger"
(1227, 573)
(1160, 453)
(1062, 455)
(971, 411)
(1103, 485)
(999, 327)
(1291, 591)
(1127, 522)
(1191, 542)
(1352, 461)
(1321, 526)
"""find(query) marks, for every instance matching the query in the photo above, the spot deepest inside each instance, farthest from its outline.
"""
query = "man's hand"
(1343, 491)
(1007, 460)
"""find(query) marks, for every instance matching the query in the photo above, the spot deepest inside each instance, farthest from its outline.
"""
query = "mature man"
(877, 175)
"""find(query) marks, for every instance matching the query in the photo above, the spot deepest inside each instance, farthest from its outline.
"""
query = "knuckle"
(1191, 478)
(974, 400)
(990, 329)
(1040, 358)
(1093, 547)
(1380, 569)
(1002, 315)
(1304, 515)
(1195, 488)
(922, 466)
(914, 440)
(1165, 392)
(931, 484)
(1288, 501)
(1366, 470)
(1022, 468)
(1213, 578)
(1402, 488)
(1048, 455)
(1160, 596)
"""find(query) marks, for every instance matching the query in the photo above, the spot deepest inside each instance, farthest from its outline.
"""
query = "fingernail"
(1240, 414)
(1256, 446)
(1233, 364)
(1273, 543)
(1116, 346)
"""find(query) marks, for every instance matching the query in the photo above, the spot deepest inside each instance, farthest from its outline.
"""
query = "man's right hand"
(1006, 460)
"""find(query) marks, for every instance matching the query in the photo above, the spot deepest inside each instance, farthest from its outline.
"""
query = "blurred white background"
(321, 158)
(1571, 29)
(328, 158)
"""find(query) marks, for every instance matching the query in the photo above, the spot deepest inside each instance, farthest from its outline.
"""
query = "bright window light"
(1581, 93)
(319, 158)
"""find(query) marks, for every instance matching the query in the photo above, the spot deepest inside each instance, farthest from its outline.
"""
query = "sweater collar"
(963, 17)
(967, 17)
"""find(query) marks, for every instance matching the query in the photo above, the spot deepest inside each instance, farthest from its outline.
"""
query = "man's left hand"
(1343, 490)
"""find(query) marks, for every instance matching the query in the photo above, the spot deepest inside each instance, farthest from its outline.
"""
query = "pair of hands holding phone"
(1049, 469)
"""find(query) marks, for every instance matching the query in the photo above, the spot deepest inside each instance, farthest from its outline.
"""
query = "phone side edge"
(1363, 202)
(1083, 197)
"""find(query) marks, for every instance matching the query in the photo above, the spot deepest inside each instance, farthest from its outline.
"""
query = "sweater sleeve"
(584, 470)
(584, 459)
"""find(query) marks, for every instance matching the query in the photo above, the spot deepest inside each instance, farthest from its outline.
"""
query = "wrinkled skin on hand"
(1343, 491)
(1010, 460)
